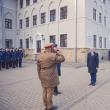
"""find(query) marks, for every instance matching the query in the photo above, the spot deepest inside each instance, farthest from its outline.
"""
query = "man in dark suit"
(92, 64)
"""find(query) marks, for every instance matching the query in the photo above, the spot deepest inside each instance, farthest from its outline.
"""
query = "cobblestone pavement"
(20, 89)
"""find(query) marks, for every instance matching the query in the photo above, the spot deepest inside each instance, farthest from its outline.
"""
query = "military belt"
(45, 68)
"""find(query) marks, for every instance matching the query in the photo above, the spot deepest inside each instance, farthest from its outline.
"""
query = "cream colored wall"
(59, 26)
(86, 26)
(94, 27)
(80, 23)
(0, 25)
(8, 11)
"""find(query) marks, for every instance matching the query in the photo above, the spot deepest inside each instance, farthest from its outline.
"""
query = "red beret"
(50, 45)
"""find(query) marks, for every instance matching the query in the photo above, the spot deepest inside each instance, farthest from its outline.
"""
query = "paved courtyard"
(20, 89)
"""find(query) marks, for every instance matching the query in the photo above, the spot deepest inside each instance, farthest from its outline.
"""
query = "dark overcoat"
(92, 62)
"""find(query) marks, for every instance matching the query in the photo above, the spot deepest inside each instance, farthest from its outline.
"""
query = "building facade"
(75, 25)
(8, 25)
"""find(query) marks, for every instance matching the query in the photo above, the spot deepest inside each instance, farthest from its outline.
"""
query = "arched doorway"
(38, 43)
(38, 46)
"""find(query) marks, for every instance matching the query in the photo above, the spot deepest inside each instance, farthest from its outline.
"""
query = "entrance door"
(8, 43)
(38, 44)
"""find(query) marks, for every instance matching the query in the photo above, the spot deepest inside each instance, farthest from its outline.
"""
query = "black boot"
(52, 108)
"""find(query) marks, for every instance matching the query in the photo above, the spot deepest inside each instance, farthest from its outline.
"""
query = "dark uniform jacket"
(13, 56)
(3, 56)
(7, 54)
(0, 56)
(20, 54)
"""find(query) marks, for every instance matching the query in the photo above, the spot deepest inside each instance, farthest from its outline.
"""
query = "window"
(94, 14)
(27, 43)
(43, 18)
(52, 15)
(21, 43)
(52, 39)
(8, 23)
(27, 22)
(34, 1)
(94, 41)
(100, 42)
(105, 42)
(63, 40)
(38, 45)
(8, 43)
(104, 1)
(21, 3)
(63, 12)
(100, 18)
(34, 20)
(27, 2)
(104, 20)
(20, 24)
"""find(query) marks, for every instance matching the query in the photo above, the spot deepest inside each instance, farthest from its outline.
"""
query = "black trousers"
(56, 89)
(20, 62)
(10, 63)
(13, 64)
(16, 63)
(3, 64)
(93, 77)
(7, 64)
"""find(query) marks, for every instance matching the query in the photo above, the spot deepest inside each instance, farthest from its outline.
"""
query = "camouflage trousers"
(47, 97)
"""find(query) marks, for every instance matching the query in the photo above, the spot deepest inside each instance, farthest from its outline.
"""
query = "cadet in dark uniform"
(7, 58)
(58, 69)
(3, 58)
(20, 57)
(10, 58)
(13, 58)
(0, 59)
(17, 57)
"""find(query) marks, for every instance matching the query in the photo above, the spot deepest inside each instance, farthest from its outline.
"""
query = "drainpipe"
(2, 23)
(76, 5)
(58, 23)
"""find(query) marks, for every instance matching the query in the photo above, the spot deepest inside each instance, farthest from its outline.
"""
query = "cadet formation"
(11, 58)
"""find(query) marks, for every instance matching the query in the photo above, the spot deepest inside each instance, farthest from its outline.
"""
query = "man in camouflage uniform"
(46, 66)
